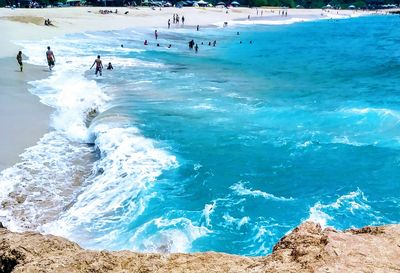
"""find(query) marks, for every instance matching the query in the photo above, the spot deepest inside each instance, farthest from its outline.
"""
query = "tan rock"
(308, 248)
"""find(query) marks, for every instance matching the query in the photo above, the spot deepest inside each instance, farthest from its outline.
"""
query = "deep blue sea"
(227, 149)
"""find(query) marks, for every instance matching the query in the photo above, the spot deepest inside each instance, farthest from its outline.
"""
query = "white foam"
(236, 223)
(128, 167)
(167, 235)
(240, 189)
(346, 140)
(278, 20)
(378, 111)
(208, 210)
(245, 220)
(318, 216)
(207, 107)
(46, 179)
(351, 202)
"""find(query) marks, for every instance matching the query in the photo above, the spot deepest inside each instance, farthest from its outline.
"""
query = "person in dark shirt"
(19, 60)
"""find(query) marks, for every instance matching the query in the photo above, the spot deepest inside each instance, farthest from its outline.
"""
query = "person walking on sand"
(169, 23)
(19, 60)
(50, 58)
(99, 65)
(183, 20)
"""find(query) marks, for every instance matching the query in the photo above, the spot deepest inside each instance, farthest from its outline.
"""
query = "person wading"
(99, 65)
(50, 58)
(19, 60)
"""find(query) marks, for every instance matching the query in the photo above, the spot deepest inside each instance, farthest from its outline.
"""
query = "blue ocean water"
(230, 148)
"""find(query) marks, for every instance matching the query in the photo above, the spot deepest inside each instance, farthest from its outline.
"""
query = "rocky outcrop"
(308, 248)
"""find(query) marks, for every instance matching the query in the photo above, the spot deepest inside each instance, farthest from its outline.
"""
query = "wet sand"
(23, 119)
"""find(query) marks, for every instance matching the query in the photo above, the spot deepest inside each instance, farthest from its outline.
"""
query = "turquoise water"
(230, 148)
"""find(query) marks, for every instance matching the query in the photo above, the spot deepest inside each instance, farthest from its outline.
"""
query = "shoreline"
(24, 118)
(83, 19)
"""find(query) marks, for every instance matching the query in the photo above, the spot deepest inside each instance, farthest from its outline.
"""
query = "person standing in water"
(19, 60)
(196, 48)
(99, 65)
(50, 58)
(183, 20)
(169, 23)
(155, 34)
(191, 44)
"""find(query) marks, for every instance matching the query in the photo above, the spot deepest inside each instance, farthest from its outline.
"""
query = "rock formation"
(308, 248)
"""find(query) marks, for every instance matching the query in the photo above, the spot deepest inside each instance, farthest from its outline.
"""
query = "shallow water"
(230, 148)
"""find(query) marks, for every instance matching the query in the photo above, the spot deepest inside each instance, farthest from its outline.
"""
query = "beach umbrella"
(235, 4)
(220, 4)
(352, 7)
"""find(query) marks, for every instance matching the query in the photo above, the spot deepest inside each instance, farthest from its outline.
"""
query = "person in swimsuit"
(50, 58)
(19, 60)
(99, 65)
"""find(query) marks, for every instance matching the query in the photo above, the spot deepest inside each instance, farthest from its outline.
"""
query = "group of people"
(175, 20)
(192, 45)
(107, 11)
(283, 13)
(99, 66)
(51, 59)
(261, 13)
(47, 22)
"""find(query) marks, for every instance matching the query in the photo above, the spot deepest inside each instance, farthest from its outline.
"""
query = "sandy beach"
(23, 118)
